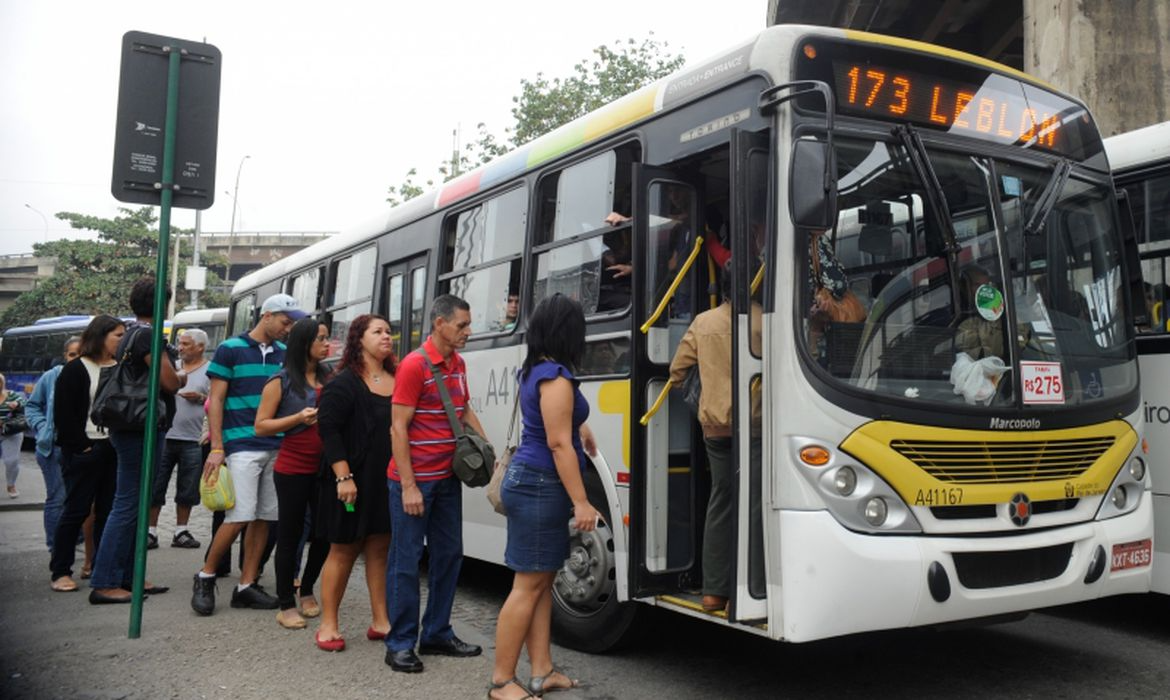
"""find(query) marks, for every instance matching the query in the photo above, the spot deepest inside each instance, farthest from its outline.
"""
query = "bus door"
(750, 233)
(664, 529)
(403, 296)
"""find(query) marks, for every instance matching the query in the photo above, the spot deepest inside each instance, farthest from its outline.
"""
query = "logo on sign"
(1020, 509)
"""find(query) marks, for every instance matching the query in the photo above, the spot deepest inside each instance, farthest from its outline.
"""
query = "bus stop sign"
(142, 106)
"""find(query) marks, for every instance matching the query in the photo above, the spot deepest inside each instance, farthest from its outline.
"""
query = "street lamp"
(232, 230)
(43, 219)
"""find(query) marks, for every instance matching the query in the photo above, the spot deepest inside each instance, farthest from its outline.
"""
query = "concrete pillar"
(1113, 55)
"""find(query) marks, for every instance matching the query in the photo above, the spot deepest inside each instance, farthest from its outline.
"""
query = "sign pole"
(150, 442)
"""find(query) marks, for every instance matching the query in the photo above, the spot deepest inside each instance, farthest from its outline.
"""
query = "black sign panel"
(142, 109)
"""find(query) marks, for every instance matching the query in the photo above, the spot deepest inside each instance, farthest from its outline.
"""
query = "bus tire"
(587, 615)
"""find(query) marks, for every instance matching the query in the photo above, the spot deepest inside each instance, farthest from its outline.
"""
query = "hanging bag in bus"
(123, 394)
(844, 309)
(497, 482)
(474, 455)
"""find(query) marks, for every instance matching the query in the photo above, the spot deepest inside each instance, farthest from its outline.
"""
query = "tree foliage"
(95, 276)
(543, 105)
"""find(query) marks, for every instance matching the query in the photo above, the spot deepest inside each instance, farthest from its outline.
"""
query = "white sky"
(333, 101)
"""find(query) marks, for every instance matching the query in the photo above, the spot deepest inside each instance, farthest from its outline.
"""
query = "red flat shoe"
(374, 635)
(330, 644)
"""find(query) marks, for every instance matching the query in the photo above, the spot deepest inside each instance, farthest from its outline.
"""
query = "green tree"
(95, 276)
(543, 105)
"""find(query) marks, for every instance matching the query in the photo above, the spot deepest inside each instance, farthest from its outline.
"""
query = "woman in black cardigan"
(89, 465)
(354, 423)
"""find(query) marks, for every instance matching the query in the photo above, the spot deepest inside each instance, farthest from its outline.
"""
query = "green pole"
(156, 340)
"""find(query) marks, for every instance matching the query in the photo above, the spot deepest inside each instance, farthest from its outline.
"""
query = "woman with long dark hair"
(355, 511)
(289, 406)
(89, 465)
(543, 488)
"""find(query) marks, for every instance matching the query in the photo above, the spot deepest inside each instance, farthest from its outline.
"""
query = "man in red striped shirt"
(426, 500)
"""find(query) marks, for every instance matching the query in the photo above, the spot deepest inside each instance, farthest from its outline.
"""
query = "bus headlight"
(1118, 497)
(1137, 469)
(876, 512)
(845, 481)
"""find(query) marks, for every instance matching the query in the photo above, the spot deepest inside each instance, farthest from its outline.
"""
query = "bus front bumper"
(839, 582)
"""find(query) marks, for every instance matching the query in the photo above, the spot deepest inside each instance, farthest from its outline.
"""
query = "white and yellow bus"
(1141, 168)
(971, 213)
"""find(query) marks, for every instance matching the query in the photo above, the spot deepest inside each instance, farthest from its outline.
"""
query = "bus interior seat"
(842, 341)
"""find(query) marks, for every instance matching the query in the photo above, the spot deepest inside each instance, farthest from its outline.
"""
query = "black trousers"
(296, 494)
(90, 479)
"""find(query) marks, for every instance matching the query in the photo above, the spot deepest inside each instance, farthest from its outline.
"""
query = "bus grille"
(1004, 462)
(997, 569)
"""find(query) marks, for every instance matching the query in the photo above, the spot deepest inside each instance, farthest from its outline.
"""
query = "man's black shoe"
(254, 597)
(151, 541)
(203, 598)
(451, 647)
(405, 661)
(184, 540)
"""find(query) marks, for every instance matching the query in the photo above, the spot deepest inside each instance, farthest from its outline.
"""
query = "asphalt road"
(56, 645)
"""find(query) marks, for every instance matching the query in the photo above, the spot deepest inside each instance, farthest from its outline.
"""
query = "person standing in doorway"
(239, 370)
(426, 500)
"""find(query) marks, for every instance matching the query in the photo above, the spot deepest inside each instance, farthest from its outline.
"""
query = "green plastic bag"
(221, 496)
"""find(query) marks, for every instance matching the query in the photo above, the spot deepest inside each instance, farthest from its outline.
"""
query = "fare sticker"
(1043, 382)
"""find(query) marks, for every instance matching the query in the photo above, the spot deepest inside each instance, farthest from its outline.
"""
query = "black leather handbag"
(123, 395)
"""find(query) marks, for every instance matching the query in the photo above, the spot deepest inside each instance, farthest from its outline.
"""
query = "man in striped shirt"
(238, 372)
(426, 500)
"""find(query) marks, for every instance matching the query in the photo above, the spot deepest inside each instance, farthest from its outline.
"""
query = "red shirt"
(300, 453)
(432, 444)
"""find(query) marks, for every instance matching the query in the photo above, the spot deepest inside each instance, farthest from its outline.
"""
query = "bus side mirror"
(812, 182)
(1132, 260)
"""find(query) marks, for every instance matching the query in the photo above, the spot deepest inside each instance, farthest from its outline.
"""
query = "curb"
(21, 506)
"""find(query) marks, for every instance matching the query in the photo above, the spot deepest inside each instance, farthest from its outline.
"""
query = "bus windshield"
(1012, 296)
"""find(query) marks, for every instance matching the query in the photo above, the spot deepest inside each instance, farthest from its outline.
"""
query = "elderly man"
(182, 446)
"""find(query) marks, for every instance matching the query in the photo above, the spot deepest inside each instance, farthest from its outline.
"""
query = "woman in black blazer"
(89, 465)
(354, 423)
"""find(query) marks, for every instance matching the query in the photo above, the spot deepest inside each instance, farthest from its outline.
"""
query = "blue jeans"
(54, 492)
(114, 563)
(188, 456)
(442, 525)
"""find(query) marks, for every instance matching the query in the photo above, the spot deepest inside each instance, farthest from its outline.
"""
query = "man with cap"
(238, 372)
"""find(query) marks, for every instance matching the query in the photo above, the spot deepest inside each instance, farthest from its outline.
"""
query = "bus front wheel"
(587, 614)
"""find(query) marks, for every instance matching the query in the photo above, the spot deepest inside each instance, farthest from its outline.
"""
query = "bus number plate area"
(1132, 555)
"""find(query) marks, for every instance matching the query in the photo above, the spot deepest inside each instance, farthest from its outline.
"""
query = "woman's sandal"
(536, 683)
(510, 681)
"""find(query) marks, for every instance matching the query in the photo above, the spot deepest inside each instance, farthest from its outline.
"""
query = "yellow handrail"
(759, 278)
(657, 404)
(713, 298)
(682, 272)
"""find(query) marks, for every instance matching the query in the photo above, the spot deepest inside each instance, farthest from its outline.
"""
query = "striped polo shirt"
(432, 444)
(246, 366)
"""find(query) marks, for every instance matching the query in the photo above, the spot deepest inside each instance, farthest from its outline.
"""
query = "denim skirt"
(539, 511)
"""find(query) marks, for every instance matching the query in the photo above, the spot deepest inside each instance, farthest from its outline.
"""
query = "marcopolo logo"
(1015, 423)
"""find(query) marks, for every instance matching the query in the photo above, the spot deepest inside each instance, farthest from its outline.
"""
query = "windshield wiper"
(1048, 198)
(936, 199)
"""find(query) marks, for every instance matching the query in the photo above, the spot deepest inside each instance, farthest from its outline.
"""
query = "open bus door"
(750, 185)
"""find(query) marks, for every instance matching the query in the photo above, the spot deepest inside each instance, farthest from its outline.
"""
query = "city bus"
(1140, 161)
(210, 321)
(969, 210)
(27, 351)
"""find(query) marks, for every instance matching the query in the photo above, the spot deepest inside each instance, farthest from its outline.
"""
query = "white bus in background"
(213, 322)
(1140, 161)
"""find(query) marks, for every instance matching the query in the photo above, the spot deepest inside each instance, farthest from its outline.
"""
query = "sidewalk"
(57, 645)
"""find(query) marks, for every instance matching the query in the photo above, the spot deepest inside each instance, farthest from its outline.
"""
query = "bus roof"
(193, 316)
(48, 325)
(1139, 147)
(763, 52)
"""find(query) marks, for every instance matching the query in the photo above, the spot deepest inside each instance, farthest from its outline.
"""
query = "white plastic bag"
(976, 380)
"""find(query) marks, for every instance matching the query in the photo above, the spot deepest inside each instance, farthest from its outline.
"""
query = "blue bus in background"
(27, 351)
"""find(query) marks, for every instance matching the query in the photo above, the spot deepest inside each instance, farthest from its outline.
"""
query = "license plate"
(1132, 555)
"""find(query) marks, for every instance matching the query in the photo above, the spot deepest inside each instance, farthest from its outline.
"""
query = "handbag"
(497, 481)
(16, 424)
(692, 388)
(221, 496)
(474, 455)
(847, 309)
(123, 395)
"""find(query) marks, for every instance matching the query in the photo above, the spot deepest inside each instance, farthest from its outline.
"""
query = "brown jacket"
(708, 343)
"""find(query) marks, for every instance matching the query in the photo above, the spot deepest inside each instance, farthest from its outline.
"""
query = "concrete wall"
(1113, 55)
